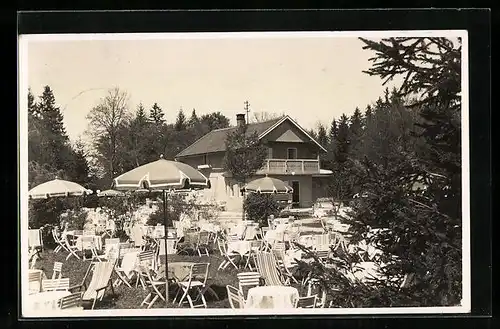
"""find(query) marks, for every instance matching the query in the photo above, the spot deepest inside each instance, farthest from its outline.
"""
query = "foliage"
(156, 115)
(106, 121)
(177, 205)
(244, 154)
(266, 116)
(260, 206)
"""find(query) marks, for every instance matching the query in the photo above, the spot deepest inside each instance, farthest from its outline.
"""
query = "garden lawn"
(131, 298)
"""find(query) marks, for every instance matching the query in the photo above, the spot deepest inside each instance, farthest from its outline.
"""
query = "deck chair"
(59, 241)
(157, 289)
(56, 271)
(70, 242)
(197, 283)
(268, 269)
(306, 302)
(100, 281)
(35, 240)
(203, 243)
(228, 258)
(71, 302)
(235, 297)
(55, 284)
(123, 271)
(247, 280)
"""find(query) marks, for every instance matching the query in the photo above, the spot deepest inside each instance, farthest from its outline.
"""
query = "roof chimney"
(240, 120)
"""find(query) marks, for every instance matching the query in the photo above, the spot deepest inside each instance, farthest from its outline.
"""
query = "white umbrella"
(110, 193)
(57, 188)
(162, 175)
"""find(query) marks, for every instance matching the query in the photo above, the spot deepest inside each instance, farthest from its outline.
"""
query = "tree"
(266, 116)
(140, 115)
(156, 115)
(180, 122)
(214, 120)
(245, 155)
(425, 225)
(322, 138)
(194, 121)
(105, 122)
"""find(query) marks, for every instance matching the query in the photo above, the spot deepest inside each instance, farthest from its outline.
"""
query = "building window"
(292, 153)
(269, 152)
(205, 159)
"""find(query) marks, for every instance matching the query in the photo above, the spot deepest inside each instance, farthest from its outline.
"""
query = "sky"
(311, 78)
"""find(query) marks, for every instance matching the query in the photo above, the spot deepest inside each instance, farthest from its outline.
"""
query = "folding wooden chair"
(203, 243)
(145, 263)
(34, 282)
(229, 258)
(56, 271)
(197, 283)
(88, 244)
(247, 280)
(71, 302)
(71, 246)
(235, 297)
(59, 241)
(157, 289)
(306, 302)
(55, 284)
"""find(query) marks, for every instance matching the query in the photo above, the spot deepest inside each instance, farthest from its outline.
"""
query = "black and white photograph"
(249, 173)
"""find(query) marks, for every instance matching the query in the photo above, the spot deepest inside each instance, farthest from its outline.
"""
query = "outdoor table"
(97, 241)
(36, 286)
(179, 271)
(240, 247)
(274, 235)
(279, 297)
(307, 240)
(45, 301)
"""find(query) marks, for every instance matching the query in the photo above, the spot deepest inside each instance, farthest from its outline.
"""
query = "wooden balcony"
(290, 167)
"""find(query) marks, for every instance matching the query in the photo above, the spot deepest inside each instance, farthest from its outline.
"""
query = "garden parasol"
(57, 188)
(267, 185)
(165, 176)
(110, 193)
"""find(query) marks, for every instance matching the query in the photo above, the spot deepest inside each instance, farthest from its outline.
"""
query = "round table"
(45, 301)
(240, 247)
(280, 297)
(179, 271)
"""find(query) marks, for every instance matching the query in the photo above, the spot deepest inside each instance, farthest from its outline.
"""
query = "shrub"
(259, 207)
(177, 205)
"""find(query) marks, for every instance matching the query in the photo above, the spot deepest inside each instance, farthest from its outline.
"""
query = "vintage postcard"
(180, 174)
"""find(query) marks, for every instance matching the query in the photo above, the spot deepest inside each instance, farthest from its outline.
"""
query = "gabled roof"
(215, 141)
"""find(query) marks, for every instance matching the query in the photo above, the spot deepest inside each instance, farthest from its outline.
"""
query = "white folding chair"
(55, 285)
(235, 297)
(59, 241)
(71, 302)
(197, 283)
(71, 246)
(247, 280)
(56, 272)
(228, 258)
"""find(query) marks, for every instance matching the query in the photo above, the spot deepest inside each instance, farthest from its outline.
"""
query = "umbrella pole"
(165, 240)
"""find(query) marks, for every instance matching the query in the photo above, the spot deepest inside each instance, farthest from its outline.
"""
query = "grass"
(130, 298)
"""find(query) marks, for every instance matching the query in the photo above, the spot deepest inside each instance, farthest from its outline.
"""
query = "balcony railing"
(290, 167)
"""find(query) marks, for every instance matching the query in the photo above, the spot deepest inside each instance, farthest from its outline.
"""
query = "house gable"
(287, 130)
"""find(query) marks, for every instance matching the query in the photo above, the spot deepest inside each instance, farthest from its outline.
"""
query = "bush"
(259, 207)
(177, 205)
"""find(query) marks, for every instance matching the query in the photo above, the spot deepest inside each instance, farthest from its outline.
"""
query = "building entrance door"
(295, 194)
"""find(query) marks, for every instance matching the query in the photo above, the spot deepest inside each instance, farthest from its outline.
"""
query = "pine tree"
(156, 115)
(343, 140)
(194, 121)
(180, 122)
(140, 114)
